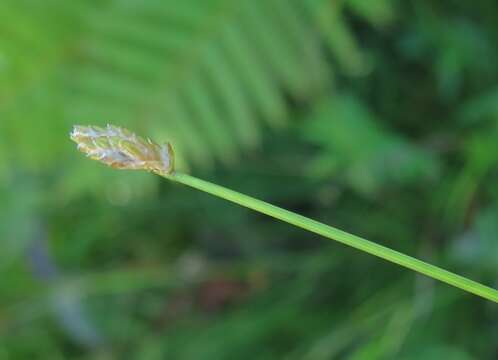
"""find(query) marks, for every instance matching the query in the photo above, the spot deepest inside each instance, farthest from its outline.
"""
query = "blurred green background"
(378, 117)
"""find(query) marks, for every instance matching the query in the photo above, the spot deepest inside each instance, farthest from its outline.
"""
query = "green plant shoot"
(120, 148)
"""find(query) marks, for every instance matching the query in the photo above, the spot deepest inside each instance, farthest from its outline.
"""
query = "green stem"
(338, 235)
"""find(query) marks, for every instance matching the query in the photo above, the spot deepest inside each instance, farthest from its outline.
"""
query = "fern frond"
(209, 75)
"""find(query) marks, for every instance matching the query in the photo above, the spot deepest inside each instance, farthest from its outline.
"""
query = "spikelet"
(119, 148)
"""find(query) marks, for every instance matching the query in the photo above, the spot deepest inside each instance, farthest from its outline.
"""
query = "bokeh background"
(378, 117)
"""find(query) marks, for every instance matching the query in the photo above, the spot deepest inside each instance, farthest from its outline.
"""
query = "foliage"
(379, 117)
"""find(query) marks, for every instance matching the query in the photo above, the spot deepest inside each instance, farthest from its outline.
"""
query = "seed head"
(121, 149)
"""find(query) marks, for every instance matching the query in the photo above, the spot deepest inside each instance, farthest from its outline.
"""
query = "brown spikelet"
(121, 149)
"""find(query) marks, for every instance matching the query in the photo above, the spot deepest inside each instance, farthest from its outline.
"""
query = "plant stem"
(338, 235)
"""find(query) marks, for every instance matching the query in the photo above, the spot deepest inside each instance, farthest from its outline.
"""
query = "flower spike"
(119, 148)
